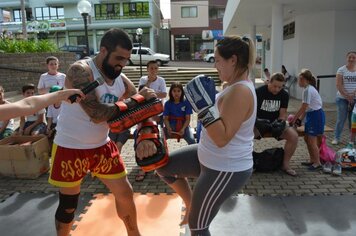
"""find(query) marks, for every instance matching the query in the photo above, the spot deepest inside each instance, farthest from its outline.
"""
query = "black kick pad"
(286, 216)
(32, 213)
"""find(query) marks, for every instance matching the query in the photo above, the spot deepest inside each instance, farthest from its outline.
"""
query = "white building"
(313, 34)
(60, 20)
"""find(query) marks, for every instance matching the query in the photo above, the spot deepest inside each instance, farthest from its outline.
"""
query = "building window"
(17, 14)
(288, 31)
(107, 11)
(216, 13)
(136, 9)
(49, 13)
(189, 12)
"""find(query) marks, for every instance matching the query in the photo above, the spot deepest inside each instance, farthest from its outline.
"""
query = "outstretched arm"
(33, 104)
(301, 113)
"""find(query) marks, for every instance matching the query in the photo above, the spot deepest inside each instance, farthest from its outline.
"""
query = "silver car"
(147, 55)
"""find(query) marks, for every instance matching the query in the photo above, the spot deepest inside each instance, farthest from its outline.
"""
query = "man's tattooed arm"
(78, 76)
(130, 88)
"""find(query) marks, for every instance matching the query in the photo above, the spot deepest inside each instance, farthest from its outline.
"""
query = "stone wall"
(17, 69)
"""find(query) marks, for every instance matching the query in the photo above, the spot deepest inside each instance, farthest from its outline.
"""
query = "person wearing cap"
(52, 114)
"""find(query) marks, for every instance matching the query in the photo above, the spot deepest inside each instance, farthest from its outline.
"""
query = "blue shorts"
(315, 122)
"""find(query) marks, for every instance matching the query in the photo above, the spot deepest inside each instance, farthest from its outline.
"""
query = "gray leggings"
(211, 190)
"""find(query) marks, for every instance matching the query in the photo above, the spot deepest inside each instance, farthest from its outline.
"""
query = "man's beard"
(108, 70)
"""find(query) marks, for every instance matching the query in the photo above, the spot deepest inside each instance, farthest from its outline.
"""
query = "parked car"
(209, 57)
(78, 49)
(147, 55)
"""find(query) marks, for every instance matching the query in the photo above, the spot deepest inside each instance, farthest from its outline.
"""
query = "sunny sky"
(166, 8)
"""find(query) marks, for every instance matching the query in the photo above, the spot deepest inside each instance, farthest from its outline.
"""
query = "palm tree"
(23, 18)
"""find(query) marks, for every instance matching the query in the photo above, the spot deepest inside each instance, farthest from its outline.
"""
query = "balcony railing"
(56, 2)
(113, 17)
(75, 23)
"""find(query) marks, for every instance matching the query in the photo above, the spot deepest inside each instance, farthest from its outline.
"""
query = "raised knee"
(66, 208)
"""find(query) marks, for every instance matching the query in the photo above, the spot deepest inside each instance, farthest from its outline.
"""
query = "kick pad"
(288, 216)
(32, 213)
(158, 215)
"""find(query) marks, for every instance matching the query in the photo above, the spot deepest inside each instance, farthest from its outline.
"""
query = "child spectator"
(315, 118)
(176, 115)
(52, 77)
(52, 115)
(155, 82)
(32, 124)
(6, 126)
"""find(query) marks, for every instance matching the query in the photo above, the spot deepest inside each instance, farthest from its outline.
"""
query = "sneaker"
(335, 142)
(314, 168)
(327, 168)
(337, 170)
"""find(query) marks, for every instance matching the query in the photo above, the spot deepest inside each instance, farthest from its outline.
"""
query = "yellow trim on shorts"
(111, 176)
(64, 184)
(60, 183)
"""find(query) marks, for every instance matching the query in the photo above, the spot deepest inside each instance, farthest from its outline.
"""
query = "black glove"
(263, 126)
(278, 127)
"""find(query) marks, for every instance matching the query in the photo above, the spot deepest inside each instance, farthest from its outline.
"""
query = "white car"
(147, 55)
(209, 57)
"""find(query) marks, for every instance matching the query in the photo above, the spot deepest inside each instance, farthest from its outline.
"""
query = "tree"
(23, 18)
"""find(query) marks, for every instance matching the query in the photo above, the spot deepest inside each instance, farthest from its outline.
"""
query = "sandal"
(140, 176)
(290, 172)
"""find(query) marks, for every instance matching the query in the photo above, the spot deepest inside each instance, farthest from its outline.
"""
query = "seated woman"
(176, 115)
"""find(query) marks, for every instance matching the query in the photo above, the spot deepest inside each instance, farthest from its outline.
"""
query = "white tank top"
(75, 129)
(237, 154)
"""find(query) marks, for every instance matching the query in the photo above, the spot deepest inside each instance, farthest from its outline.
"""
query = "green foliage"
(22, 46)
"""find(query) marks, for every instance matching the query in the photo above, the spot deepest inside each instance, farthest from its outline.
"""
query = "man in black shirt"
(272, 104)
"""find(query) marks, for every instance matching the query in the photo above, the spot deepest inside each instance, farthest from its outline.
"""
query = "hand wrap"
(133, 111)
(157, 136)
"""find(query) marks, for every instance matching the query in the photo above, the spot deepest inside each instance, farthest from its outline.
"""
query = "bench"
(300, 131)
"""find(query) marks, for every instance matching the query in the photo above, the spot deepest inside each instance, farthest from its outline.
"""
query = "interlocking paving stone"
(275, 183)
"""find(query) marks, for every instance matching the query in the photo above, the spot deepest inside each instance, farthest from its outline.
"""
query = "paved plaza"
(261, 184)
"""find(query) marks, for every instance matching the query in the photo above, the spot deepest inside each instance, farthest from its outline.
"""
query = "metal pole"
(85, 18)
(139, 50)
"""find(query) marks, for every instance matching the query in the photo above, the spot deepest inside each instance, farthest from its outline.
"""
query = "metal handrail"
(318, 77)
(22, 69)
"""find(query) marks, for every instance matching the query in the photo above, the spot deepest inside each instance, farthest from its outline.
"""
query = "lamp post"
(139, 33)
(84, 8)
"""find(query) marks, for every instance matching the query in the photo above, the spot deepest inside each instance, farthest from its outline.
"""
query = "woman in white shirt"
(222, 160)
(346, 87)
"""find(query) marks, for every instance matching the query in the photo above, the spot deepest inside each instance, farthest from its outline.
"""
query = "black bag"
(269, 160)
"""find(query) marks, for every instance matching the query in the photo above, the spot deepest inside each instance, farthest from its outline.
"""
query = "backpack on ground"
(269, 160)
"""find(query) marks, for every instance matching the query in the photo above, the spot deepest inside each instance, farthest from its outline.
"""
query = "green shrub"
(22, 46)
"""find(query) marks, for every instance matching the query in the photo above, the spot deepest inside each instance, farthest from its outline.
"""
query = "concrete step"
(182, 75)
(14, 98)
